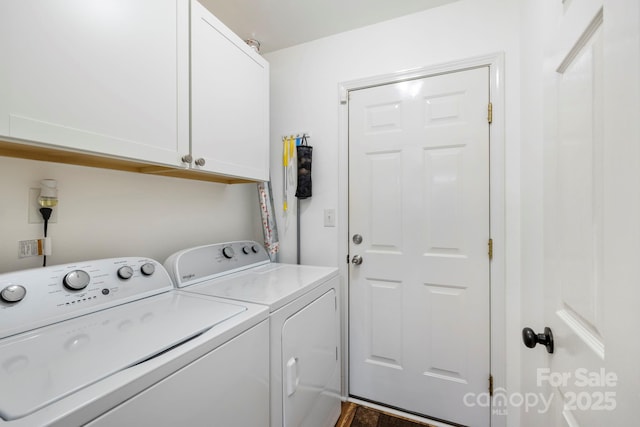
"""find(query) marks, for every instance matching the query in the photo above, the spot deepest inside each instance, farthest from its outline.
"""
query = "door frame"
(497, 185)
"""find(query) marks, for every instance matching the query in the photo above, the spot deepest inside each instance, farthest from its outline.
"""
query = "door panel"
(386, 327)
(442, 226)
(573, 217)
(419, 196)
(386, 202)
(579, 186)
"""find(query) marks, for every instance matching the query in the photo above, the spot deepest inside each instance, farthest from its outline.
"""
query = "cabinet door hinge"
(490, 385)
(490, 249)
(490, 113)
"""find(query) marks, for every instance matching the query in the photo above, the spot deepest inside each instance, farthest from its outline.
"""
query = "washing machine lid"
(42, 366)
(274, 285)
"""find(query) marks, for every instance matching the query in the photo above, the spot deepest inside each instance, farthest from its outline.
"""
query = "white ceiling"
(278, 24)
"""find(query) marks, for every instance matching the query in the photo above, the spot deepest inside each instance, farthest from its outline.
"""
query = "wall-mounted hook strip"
(297, 136)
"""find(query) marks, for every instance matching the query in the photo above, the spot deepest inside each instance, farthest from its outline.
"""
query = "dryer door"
(310, 364)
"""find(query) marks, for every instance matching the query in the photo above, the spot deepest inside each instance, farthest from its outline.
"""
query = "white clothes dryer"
(304, 322)
(112, 343)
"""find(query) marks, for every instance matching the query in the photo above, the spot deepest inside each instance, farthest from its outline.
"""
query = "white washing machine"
(112, 343)
(304, 322)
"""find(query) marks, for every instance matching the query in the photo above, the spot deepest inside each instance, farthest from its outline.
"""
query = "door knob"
(357, 260)
(531, 339)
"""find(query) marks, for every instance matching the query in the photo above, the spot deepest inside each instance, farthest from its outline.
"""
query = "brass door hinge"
(490, 385)
(490, 249)
(490, 113)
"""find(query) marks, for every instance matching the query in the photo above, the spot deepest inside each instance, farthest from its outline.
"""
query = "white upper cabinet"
(106, 77)
(229, 100)
(146, 80)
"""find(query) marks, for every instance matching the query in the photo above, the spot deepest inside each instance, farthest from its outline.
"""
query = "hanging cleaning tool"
(288, 155)
(285, 164)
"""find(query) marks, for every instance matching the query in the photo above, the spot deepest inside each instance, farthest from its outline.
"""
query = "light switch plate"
(329, 217)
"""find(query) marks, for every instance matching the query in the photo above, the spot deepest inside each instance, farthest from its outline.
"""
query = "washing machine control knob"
(13, 293)
(228, 252)
(255, 249)
(76, 280)
(125, 273)
(246, 250)
(148, 269)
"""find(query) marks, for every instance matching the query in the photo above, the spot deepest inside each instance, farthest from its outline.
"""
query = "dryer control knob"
(228, 252)
(255, 249)
(125, 273)
(148, 269)
(76, 280)
(246, 250)
(13, 293)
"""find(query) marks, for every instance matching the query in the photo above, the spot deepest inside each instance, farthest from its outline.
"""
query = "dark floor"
(360, 416)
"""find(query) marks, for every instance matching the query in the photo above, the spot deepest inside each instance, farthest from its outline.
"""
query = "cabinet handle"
(200, 161)
(187, 158)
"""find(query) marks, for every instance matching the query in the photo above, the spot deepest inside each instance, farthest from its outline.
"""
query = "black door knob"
(530, 338)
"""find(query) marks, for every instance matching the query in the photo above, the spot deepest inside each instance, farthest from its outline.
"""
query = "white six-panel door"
(419, 199)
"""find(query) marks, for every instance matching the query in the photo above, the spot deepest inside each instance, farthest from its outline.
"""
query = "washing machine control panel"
(202, 263)
(42, 296)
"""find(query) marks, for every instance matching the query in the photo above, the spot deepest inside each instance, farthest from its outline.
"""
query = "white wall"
(304, 97)
(105, 213)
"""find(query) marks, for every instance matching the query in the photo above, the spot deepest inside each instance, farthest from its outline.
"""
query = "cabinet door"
(230, 100)
(107, 77)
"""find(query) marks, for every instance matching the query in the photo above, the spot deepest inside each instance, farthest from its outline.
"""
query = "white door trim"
(496, 199)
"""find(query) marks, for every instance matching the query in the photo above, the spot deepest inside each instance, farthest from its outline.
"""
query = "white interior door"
(582, 377)
(419, 199)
